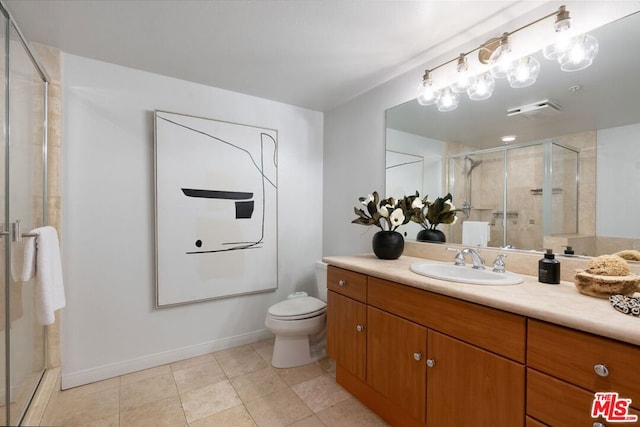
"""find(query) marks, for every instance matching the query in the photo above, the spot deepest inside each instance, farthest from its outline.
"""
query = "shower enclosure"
(23, 101)
(525, 192)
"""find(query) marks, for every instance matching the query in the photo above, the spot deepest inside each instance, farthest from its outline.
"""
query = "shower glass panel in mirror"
(532, 193)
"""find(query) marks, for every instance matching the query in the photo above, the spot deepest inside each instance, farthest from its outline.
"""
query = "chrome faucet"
(498, 264)
(478, 262)
(459, 260)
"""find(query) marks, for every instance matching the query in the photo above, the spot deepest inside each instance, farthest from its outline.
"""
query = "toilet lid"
(296, 307)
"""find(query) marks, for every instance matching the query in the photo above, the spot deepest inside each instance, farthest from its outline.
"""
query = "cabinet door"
(346, 333)
(468, 386)
(396, 367)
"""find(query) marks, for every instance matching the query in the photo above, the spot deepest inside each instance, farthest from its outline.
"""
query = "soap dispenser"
(549, 269)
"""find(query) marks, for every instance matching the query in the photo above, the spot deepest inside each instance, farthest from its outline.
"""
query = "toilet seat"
(297, 308)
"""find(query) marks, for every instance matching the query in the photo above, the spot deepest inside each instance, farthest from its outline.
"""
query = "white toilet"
(299, 324)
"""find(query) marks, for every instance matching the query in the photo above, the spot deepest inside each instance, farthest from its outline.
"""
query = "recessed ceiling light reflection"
(508, 138)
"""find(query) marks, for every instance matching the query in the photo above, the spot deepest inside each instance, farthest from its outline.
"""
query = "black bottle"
(549, 269)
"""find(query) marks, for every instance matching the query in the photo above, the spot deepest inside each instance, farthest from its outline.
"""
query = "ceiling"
(316, 54)
(608, 96)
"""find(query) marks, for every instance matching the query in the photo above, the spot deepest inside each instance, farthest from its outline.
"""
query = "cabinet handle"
(431, 363)
(359, 328)
(598, 424)
(417, 356)
(601, 370)
(341, 282)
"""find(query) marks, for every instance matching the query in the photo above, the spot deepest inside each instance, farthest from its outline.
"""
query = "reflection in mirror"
(542, 190)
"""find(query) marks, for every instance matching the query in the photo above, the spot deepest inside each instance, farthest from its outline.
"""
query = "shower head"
(472, 164)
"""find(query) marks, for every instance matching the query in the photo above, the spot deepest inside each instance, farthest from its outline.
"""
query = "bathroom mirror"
(571, 177)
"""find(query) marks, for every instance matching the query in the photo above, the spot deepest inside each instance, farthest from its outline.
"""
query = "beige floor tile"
(165, 412)
(198, 375)
(312, 421)
(80, 410)
(146, 373)
(209, 400)
(84, 390)
(240, 362)
(234, 417)
(147, 390)
(350, 413)
(257, 383)
(300, 374)
(278, 409)
(327, 364)
(109, 421)
(264, 349)
(194, 361)
(232, 352)
(320, 393)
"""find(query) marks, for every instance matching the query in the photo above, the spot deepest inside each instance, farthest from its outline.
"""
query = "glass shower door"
(25, 207)
(5, 243)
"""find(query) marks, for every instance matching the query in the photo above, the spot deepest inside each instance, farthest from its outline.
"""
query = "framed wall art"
(216, 209)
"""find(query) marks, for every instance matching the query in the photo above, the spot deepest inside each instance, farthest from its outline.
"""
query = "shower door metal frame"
(11, 23)
(548, 171)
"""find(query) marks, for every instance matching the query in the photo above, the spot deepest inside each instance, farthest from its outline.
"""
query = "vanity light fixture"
(427, 94)
(463, 78)
(448, 100)
(481, 87)
(572, 53)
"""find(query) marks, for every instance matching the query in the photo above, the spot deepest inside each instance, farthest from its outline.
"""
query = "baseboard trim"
(86, 376)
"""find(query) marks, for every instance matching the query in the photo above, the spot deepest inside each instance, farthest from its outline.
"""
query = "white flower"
(383, 211)
(417, 204)
(455, 219)
(366, 200)
(397, 217)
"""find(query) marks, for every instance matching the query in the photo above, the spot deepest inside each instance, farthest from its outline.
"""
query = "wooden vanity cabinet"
(566, 367)
(347, 320)
(417, 371)
(469, 386)
(396, 368)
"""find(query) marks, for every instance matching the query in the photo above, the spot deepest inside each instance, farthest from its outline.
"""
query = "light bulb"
(427, 94)
(560, 45)
(580, 54)
(501, 59)
(463, 79)
(524, 72)
(448, 100)
(481, 87)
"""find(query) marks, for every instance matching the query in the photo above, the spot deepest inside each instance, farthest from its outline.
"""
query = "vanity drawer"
(573, 355)
(560, 404)
(494, 330)
(347, 283)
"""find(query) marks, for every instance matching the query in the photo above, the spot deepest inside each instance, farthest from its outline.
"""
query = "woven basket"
(605, 286)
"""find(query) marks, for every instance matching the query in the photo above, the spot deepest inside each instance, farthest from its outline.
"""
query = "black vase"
(429, 235)
(388, 244)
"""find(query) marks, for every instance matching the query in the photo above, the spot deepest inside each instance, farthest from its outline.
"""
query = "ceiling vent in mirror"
(536, 110)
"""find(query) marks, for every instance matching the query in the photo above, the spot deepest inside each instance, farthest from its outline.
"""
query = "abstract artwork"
(216, 209)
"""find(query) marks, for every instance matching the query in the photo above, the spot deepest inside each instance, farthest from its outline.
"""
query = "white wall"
(354, 152)
(110, 325)
(618, 190)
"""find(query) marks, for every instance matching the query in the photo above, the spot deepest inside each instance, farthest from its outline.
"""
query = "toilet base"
(289, 352)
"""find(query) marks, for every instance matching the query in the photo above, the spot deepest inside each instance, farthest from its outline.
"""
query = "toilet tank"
(321, 280)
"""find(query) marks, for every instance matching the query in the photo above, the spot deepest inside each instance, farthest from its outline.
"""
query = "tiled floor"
(236, 387)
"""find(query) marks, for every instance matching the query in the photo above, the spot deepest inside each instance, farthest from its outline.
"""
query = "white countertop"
(561, 304)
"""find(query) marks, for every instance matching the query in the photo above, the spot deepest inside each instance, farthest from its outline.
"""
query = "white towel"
(476, 233)
(42, 258)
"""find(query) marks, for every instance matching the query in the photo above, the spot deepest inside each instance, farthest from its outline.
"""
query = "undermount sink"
(465, 274)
